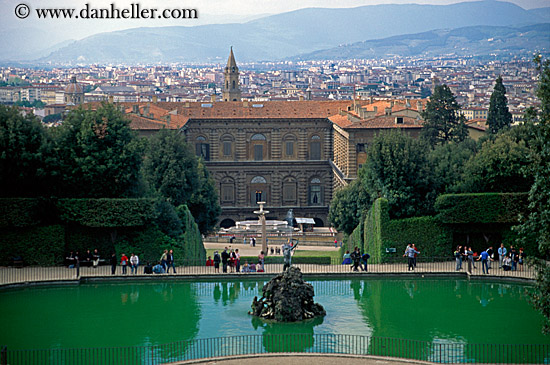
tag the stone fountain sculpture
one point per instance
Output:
(287, 298)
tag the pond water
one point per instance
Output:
(157, 312)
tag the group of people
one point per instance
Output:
(74, 259)
(356, 259)
(163, 265)
(411, 253)
(228, 258)
(508, 260)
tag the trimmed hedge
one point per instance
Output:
(480, 208)
(193, 246)
(430, 238)
(21, 212)
(43, 246)
(107, 212)
(375, 230)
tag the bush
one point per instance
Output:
(107, 212)
(193, 247)
(22, 212)
(42, 246)
(375, 230)
(431, 239)
(149, 244)
(480, 208)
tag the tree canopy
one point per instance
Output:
(442, 121)
(348, 205)
(397, 169)
(98, 154)
(499, 117)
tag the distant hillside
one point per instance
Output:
(479, 41)
(285, 35)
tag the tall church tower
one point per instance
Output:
(231, 89)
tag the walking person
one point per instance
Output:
(124, 263)
(484, 257)
(134, 263)
(501, 254)
(170, 261)
(365, 259)
(163, 259)
(409, 253)
(356, 258)
(113, 263)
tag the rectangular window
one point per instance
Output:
(315, 151)
(360, 147)
(289, 193)
(258, 152)
(228, 193)
(315, 195)
(290, 148)
(227, 148)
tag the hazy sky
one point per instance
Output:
(36, 32)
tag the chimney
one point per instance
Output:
(187, 104)
(419, 106)
(146, 110)
(111, 99)
(387, 111)
(391, 104)
(155, 99)
(135, 108)
(301, 98)
(371, 99)
(213, 98)
(408, 103)
(375, 110)
(245, 104)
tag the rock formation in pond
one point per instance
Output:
(287, 298)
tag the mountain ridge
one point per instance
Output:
(284, 35)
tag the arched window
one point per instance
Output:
(233, 84)
(315, 192)
(259, 144)
(315, 148)
(258, 190)
(258, 137)
(202, 149)
(227, 145)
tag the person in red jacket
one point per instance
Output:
(124, 263)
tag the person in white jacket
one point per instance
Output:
(134, 263)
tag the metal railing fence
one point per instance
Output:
(444, 353)
(433, 265)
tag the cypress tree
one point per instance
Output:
(499, 116)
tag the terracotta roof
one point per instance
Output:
(387, 121)
(141, 123)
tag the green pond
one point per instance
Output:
(158, 312)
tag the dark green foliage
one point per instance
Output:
(447, 163)
(535, 223)
(375, 230)
(22, 212)
(480, 208)
(174, 172)
(24, 151)
(167, 219)
(80, 238)
(348, 205)
(397, 169)
(498, 167)
(171, 166)
(99, 155)
(52, 118)
(107, 212)
(193, 247)
(204, 204)
(499, 117)
(42, 246)
(149, 244)
(442, 122)
(430, 238)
